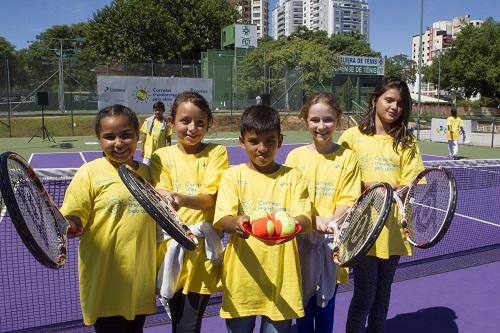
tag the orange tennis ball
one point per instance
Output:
(263, 227)
(284, 225)
(261, 224)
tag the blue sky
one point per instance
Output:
(393, 22)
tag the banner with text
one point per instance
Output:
(141, 92)
(361, 65)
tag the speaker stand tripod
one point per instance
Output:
(43, 132)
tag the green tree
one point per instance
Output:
(41, 58)
(472, 64)
(279, 57)
(351, 44)
(157, 30)
(399, 65)
(138, 30)
(6, 48)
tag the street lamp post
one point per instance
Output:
(61, 79)
(420, 67)
(439, 81)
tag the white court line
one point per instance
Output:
(477, 220)
(54, 152)
(83, 157)
(461, 215)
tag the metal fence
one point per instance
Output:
(71, 84)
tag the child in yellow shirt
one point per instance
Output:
(387, 152)
(118, 238)
(155, 132)
(259, 279)
(334, 182)
(188, 174)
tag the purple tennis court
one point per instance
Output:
(448, 288)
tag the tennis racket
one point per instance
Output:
(40, 225)
(157, 207)
(359, 227)
(427, 206)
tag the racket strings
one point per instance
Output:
(358, 227)
(37, 214)
(426, 208)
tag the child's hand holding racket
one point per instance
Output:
(159, 208)
(171, 197)
(355, 231)
(75, 228)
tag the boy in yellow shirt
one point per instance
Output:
(259, 279)
(454, 128)
(155, 133)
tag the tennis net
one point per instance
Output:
(42, 300)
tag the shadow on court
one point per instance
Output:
(431, 320)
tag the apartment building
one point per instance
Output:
(286, 18)
(336, 17)
(254, 12)
(437, 39)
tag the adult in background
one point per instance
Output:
(455, 127)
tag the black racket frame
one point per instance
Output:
(137, 185)
(16, 215)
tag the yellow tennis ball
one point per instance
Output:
(258, 214)
(284, 225)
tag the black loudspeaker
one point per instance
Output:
(42, 98)
(266, 99)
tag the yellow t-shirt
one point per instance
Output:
(191, 174)
(259, 279)
(116, 257)
(333, 179)
(380, 163)
(454, 124)
(155, 139)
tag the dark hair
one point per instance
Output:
(196, 99)
(159, 105)
(399, 128)
(325, 98)
(260, 119)
(113, 111)
(453, 112)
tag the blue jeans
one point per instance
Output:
(372, 291)
(247, 324)
(317, 319)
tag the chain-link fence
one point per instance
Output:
(71, 84)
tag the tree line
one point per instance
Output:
(162, 31)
